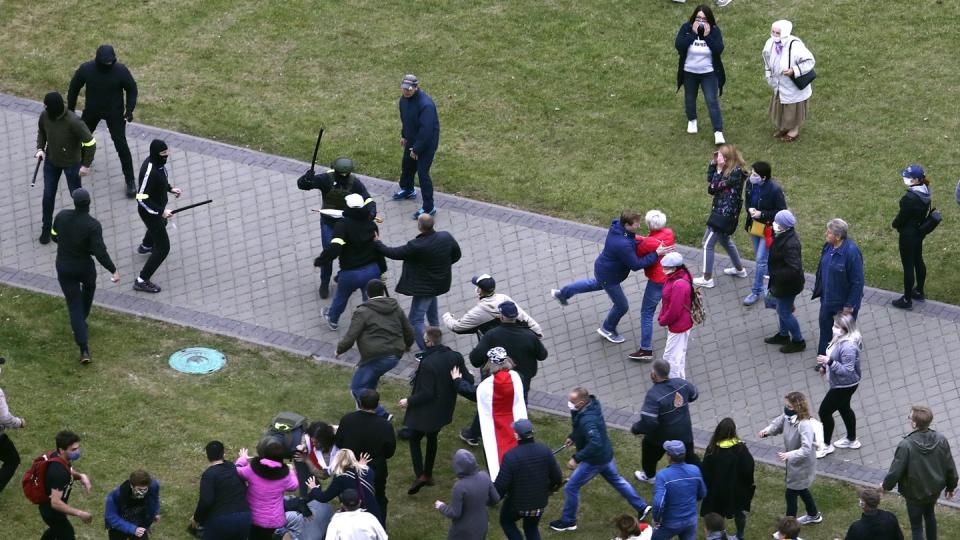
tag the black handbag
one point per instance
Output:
(803, 80)
(931, 222)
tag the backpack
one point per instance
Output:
(289, 428)
(697, 312)
(34, 484)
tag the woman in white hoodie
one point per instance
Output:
(785, 57)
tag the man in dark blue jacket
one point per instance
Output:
(419, 137)
(132, 507)
(678, 489)
(616, 261)
(528, 475)
(839, 284)
(594, 456)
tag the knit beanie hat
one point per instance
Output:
(785, 219)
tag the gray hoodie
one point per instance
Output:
(472, 494)
(922, 467)
(7, 420)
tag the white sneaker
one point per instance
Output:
(807, 519)
(823, 453)
(735, 272)
(705, 283)
(692, 124)
(680, 1)
(641, 476)
(847, 443)
(723, 3)
(776, 535)
(718, 138)
(610, 336)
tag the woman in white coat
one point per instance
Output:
(784, 58)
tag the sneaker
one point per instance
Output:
(325, 313)
(465, 437)
(389, 417)
(145, 286)
(807, 519)
(723, 3)
(642, 477)
(776, 535)
(555, 293)
(847, 443)
(405, 194)
(903, 303)
(420, 212)
(718, 138)
(643, 355)
(735, 272)
(45, 236)
(131, 190)
(751, 299)
(610, 336)
(705, 283)
(777, 339)
(692, 124)
(324, 291)
(85, 357)
(794, 347)
(827, 450)
(643, 515)
(918, 296)
(560, 525)
(144, 250)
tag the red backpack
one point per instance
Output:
(34, 485)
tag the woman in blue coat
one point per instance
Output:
(699, 44)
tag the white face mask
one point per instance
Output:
(571, 406)
(907, 181)
(837, 332)
(777, 229)
(755, 179)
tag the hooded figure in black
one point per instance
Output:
(107, 81)
(152, 207)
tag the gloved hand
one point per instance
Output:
(317, 263)
(129, 117)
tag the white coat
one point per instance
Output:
(800, 59)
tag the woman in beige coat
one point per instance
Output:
(784, 58)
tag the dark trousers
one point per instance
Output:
(420, 167)
(78, 285)
(423, 466)
(808, 502)
(326, 238)
(827, 313)
(914, 269)
(508, 522)
(51, 182)
(155, 238)
(114, 534)
(118, 132)
(10, 458)
(58, 526)
(711, 94)
(234, 526)
(380, 492)
(920, 514)
(652, 451)
(261, 533)
(740, 521)
(838, 399)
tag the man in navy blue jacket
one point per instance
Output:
(132, 507)
(419, 137)
(616, 261)
(528, 474)
(839, 284)
(678, 489)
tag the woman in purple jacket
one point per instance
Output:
(267, 477)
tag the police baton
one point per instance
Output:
(189, 206)
(561, 449)
(316, 148)
(35, 171)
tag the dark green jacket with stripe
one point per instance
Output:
(66, 140)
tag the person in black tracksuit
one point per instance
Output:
(914, 207)
(78, 236)
(107, 80)
(152, 207)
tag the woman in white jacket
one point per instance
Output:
(786, 57)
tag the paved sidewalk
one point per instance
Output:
(243, 267)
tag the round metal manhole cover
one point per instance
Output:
(197, 360)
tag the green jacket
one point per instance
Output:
(380, 328)
(66, 140)
(923, 467)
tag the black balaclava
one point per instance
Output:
(81, 199)
(54, 103)
(157, 146)
(105, 58)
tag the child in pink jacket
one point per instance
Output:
(267, 479)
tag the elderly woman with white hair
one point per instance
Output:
(788, 66)
(659, 235)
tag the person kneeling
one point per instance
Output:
(133, 507)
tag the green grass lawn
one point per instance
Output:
(562, 107)
(132, 411)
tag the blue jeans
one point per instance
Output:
(583, 474)
(422, 306)
(652, 295)
(827, 313)
(349, 281)
(761, 251)
(227, 526)
(613, 290)
(685, 531)
(326, 236)
(711, 94)
(788, 322)
(368, 375)
(51, 181)
(420, 167)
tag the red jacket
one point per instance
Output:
(675, 311)
(649, 244)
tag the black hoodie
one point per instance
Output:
(106, 81)
(353, 241)
(914, 207)
(152, 195)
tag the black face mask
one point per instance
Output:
(789, 412)
(156, 147)
(54, 104)
(104, 68)
(159, 160)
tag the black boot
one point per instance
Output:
(777, 339)
(903, 303)
(793, 347)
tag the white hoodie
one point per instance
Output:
(800, 59)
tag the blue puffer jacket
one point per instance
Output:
(676, 492)
(590, 435)
(840, 276)
(420, 123)
(619, 256)
(120, 509)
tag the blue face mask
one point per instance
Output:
(755, 179)
(73, 456)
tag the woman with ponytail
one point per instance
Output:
(914, 207)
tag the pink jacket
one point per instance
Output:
(675, 311)
(264, 496)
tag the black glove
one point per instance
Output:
(317, 262)
(129, 117)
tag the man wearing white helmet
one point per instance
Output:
(675, 312)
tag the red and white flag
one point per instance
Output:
(499, 404)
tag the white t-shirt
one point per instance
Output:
(699, 58)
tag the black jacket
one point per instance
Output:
(522, 345)
(222, 491)
(353, 242)
(728, 473)
(685, 38)
(528, 474)
(877, 525)
(771, 201)
(427, 262)
(362, 482)
(154, 187)
(78, 236)
(363, 431)
(105, 86)
(785, 265)
(434, 394)
(335, 191)
(914, 208)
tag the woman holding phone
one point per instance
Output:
(725, 178)
(699, 44)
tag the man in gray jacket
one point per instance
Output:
(382, 333)
(922, 468)
(9, 456)
(484, 316)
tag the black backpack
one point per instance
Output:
(289, 428)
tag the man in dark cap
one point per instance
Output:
(523, 346)
(678, 489)
(419, 138)
(352, 521)
(78, 236)
(66, 146)
(152, 207)
(484, 316)
(107, 80)
(528, 475)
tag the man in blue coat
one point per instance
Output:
(419, 137)
(678, 489)
(616, 261)
(839, 284)
(133, 507)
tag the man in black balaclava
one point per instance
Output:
(106, 81)
(152, 207)
(78, 236)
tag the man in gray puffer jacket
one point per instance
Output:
(471, 496)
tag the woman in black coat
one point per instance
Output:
(914, 207)
(699, 45)
(728, 472)
(785, 266)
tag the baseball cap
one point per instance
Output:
(508, 309)
(354, 200)
(675, 448)
(523, 427)
(913, 171)
(485, 282)
(350, 498)
(409, 81)
(672, 259)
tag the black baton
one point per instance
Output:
(35, 170)
(316, 148)
(189, 206)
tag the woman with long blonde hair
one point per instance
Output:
(348, 472)
(726, 175)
